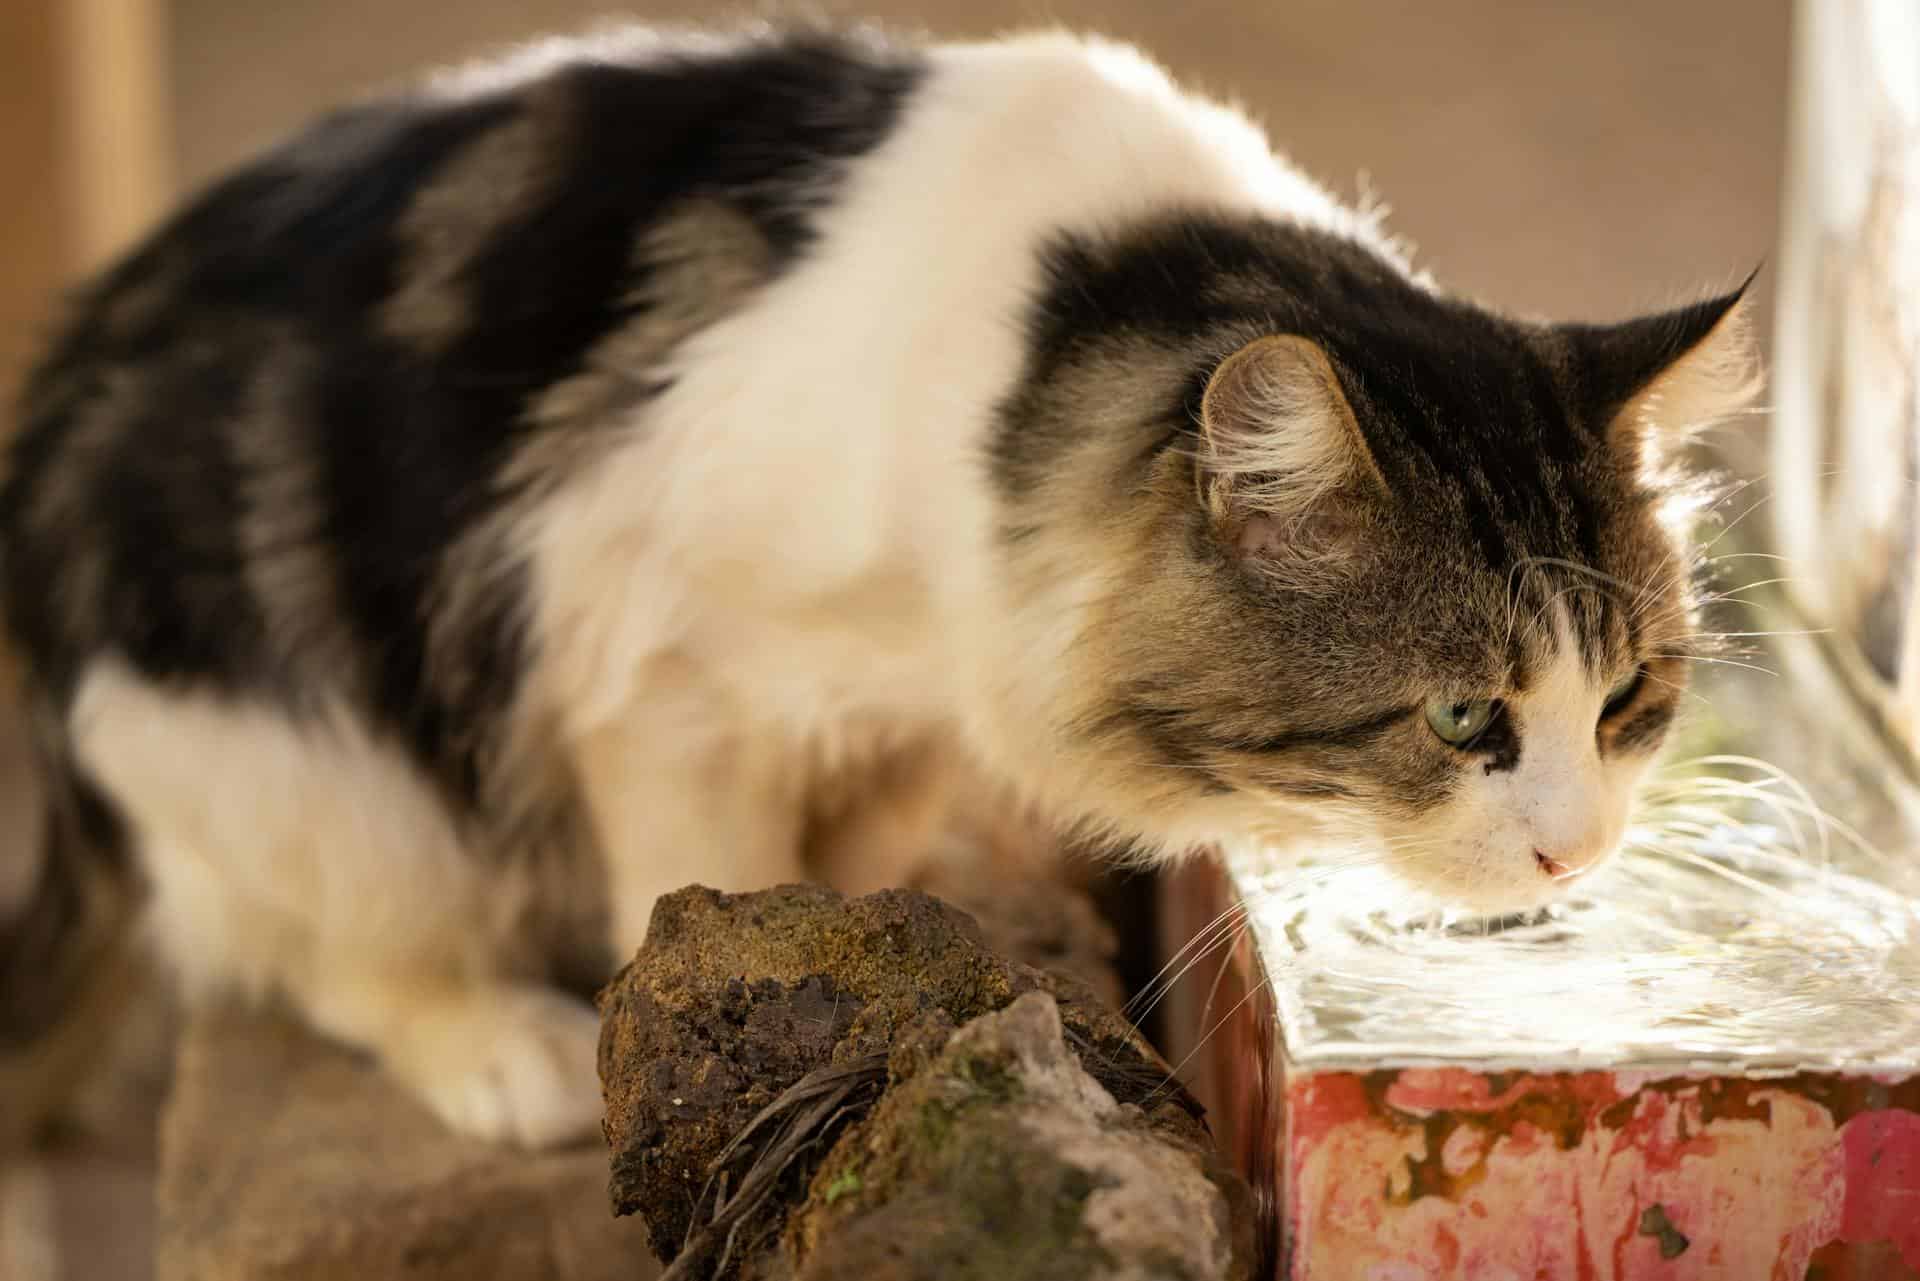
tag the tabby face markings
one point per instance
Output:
(1543, 795)
(1302, 506)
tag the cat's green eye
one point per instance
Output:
(1622, 693)
(1459, 723)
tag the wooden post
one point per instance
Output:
(118, 122)
(34, 215)
(1846, 433)
(85, 151)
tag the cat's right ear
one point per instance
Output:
(1653, 382)
(1282, 455)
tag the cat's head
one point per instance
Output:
(1337, 548)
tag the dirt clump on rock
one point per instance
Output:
(802, 1085)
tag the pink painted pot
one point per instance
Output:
(1428, 1171)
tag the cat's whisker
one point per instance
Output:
(1802, 799)
(1220, 972)
(1735, 490)
(1711, 867)
(1789, 809)
(1221, 921)
(1587, 571)
(1568, 590)
(1681, 690)
(1254, 989)
(1736, 595)
(1222, 939)
(1735, 523)
(1726, 556)
(1810, 631)
(1720, 662)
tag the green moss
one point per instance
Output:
(990, 1076)
(930, 1126)
(959, 1172)
(983, 1081)
(1019, 1208)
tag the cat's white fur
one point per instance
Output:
(724, 598)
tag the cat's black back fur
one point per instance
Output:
(260, 459)
(271, 284)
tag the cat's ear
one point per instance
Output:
(1649, 384)
(1282, 454)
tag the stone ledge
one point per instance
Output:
(285, 1157)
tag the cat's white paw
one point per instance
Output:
(513, 1065)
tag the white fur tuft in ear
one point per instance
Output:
(1712, 380)
(1652, 383)
(1278, 440)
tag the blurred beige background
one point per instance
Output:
(1571, 158)
(1581, 161)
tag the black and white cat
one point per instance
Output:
(512, 499)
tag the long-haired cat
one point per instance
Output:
(514, 498)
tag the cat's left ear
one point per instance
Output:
(1283, 459)
(1649, 384)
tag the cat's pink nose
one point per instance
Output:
(1556, 868)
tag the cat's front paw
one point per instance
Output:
(510, 1065)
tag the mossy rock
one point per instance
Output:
(734, 999)
(1004, 1158)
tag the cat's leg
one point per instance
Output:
(311, 861)
(885, 825)
(719, 810)
(503, 1061)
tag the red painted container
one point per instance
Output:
(1741, 1104)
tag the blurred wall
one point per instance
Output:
(32, 245)
(85, 161)
(1581, 160)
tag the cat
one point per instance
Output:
(517, 495)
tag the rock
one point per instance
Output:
(1003, 1158)
(284, 1157)
(799, 1007)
